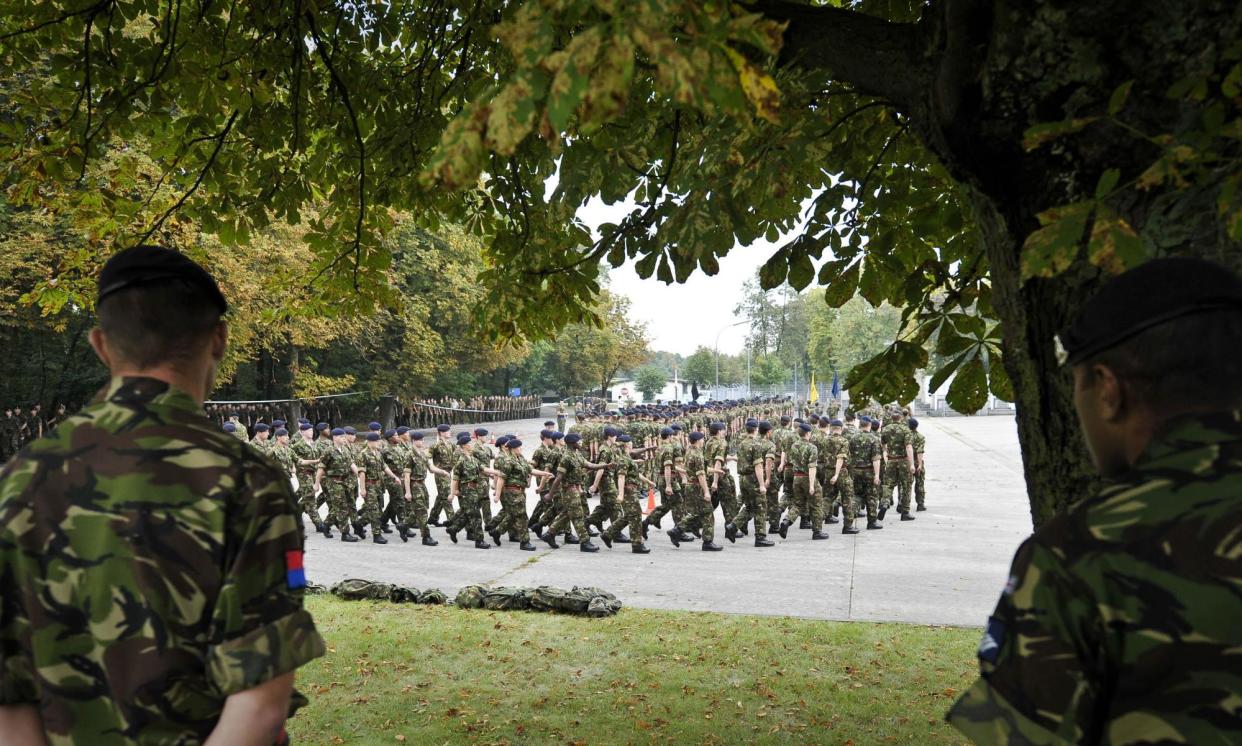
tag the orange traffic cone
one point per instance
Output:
(650, 502)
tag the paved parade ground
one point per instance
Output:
(947, 567)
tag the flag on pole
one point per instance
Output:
(814, 396)
(836, 385)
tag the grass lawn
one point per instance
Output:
(418, 674)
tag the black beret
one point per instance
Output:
(350, 431)
(696, 436)
(666, 432)
(230, 427)
(480, 431)
(262, 427)
(390, 433)
(463, 439)
(557, 435)
(805, 427)
(912, 423)
(337, 431)
(281, 431)
(373, 436)
(278, 423)
(402, 430)
(143, 265)
(443, 428)
(513, 443)
(322, 426)
(624, 439)
(765, 427)
(1148, 295)
(375, 426)
(573, 438)
(305, 426)
(415, 435)
(836, 423)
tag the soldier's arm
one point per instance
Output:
(836, 470)
(319, 472)
(255, 716)
(909, 453)
(540, 473)
(405, 481)
(875, 467)
(437, 470)
(621, 483)
(668, 477)
(768, 469)
(703, 486)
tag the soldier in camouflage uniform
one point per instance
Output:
(468, 486)
(516, 472)
(572, 470)
(630, 481)
(443, 457)
(485, 454)
(1121, 620)
(757, 467)
(716, 452)
(699, 512)
(605, 484)
(151, 563)
(865, 471)
(668, 481)
(918, 444)
(306, 460)
(239, 430)
(804, 460)
(261, 441)
(839, 485)
(333, 477)
(416, 510)
(898, 455)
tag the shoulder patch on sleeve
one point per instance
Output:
(295, 574)
(993, 639)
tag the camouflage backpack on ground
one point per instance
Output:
(506, 598)
(470, 597)
(404, 595)
(356, 589)
(433, 596)
(547, 598)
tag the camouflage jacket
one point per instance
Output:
(895, 436)
(572, 468)
(1122, 621)
(803, 455)
(864, 450)
(516, 470)
(148, 567)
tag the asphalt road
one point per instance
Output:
(946, 567)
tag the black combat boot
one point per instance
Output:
(622, 538)
(731, 532)
(536, 528)
(327, 532)
(711, 546)
(361, 531)
(606, 539)
(920, 508)
(495, 537)
(742, 530)
(651, 523)
(873, 526)
(379, 539)
(480, 544)
(588, 546)
(674, 534)
(430, 542)
(907, 517)
(550, 540)
(404, 533)
(850, 530)
(818, 535)
(526, 546)
(830, 519)
(348, 538)
(880, 517)
(452, 532)
(804, 523)
(640, 549)
(762, 541)
(571, 539)
(783, 529)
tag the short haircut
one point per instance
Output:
(1189, 364)
(157, 322)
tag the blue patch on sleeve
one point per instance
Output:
(296, 578)
(993, 639)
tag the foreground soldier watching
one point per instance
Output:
(151, 563)
(1121, 621)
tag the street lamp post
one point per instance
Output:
(716, 350)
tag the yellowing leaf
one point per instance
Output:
(759, 87)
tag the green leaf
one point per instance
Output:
(1108, 182)
(774, 270)
(1050, 250)
(839, 290)
(1114, 246)
(998, 378)
(801, 271)
(1048, 131)
(940, 376)
(969, 391)
(1117, 101)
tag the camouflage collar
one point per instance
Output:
(131, 390)
(1190, 432)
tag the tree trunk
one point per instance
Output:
(972, 76)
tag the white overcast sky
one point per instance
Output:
(680, 317)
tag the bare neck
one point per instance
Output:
(195, 386)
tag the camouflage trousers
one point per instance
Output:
(897, 475)
(866, 491)
(773, 501)
(410, 513)
(727, 495)
(468, 515)
(444, 502)
(754, 506)
(669, 504)
(545, 510)
(342, 508)
(777, 507)
(485, 501)
(842, 494)
(306, 497)
(396, 496)
(699, 513)
(920, 495)
(569, 507)
(807, 500)
(371, 510)
(631, 504)
(608, 509)
(511, 518)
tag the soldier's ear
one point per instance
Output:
(97, 341)
(219, 340)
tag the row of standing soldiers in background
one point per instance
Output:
(21, 425)
(428, 413)
(807, 472)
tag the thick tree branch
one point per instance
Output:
(876, 56)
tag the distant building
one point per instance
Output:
(625, 390)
